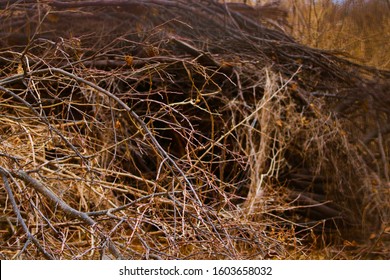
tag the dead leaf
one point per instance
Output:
(129, 60)
(20, 69)
(279, 123)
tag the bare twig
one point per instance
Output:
(5, 174)
(56, 201)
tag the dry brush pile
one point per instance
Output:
(163, 129)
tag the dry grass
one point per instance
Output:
(359, 29)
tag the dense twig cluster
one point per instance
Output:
(183, 129)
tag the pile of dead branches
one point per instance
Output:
(184, 129)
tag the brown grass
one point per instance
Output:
(359, 29)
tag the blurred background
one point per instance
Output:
(358, 29)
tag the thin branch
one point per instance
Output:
(5, 174)
(56, 201)
(160, 149)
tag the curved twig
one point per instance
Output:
(160, 149)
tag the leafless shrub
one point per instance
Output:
(163, 135)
